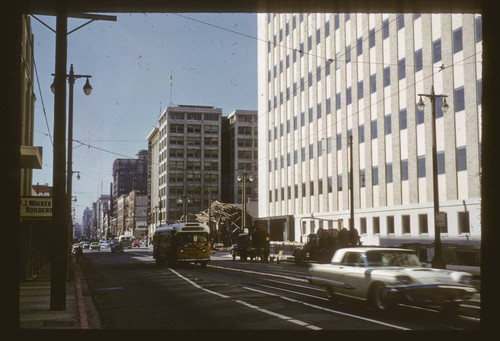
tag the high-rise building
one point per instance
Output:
(189, 160)
(327, 77)
(129, 175)
(240, 150)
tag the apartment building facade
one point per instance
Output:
(189, 160)
(327, 77)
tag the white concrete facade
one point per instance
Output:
(328, 76)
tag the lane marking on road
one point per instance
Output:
(329, 310)
(283, 317)
(293, 292)
(261, 273)
(197, 285)
(296, 285)
(280, 316)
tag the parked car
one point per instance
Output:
(102, 243)
(234, 251)
(86, 244)
(95, 246)
(75, 246)
(136, 243)
(116, 246)
(387, 276)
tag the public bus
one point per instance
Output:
(182, 242)
(126, 241)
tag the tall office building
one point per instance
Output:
(189, 160)
(242, 155)
(326, 77)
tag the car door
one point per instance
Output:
(352, 274)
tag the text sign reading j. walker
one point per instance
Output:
(36, 207)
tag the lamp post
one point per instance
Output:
(87, 89)
(184, 201)
(437, 260)
(243, 177)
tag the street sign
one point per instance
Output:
(36, 207)
(441, 220)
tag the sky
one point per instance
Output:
(211, 57)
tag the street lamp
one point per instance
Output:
(243, 177)
(437, 260)
(184, 201)
(87, 89)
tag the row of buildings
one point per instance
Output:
(337, 92)
(195, 156)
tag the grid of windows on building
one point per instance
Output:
(400, 120)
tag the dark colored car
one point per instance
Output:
(136, 243)
(117, 247)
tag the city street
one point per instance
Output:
(131, 292)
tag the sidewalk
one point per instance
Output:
(34, 304)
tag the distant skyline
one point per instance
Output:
(211, 57)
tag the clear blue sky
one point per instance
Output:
(130, 62)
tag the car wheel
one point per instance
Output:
(330, 293)
(380, 298)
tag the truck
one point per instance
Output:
(253, 245)
(321, 246)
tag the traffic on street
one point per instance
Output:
(132, 291)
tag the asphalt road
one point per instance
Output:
(130, 292)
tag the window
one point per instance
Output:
(303, 154)
(311, 188)
(318, 74)
(349, 95)
(436, 51)
(339, 181)
(296, 191)
(404, 169)
(337, 101)
(401, 68)
(320, 147)
(388, 129)
(302, 119)
(359, 46)
(362, 227)
(288, 126)
(459, 99)
(329, 145)
(479, 29)
(327, 28)
(376, 225)
(440, 162)
(420, 116)
(328, 106)
(402, 119)
(362, 133)
(387, 76)
(375, 175)
(463, 222)
(318, 109)
(372, 37)
(418, 60)
(348, 53)
(310, 79)
(421, 166)
(295, 156)
(360, 89)
(373, 83)
(439, 104)
(311, 115)
(405, 223)
(423, 227)
(330, 184)
(374, 129)
(388, 172)
(401, 21)
(457, 40)
(339, 141)
(337, 61)
(385, 29)
(362, 177)
(461, 158)
(336, 21)
(390, 224)
(295, 123)
(311, 151)
(318, 36)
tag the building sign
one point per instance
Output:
(441, 220)
(36, 207)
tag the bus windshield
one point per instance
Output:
(192, 237)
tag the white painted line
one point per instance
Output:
(329, 310)
(261, 273)
(280, 316)
(283, 317)
(198, 286)
(293, 292)
(296, 285)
